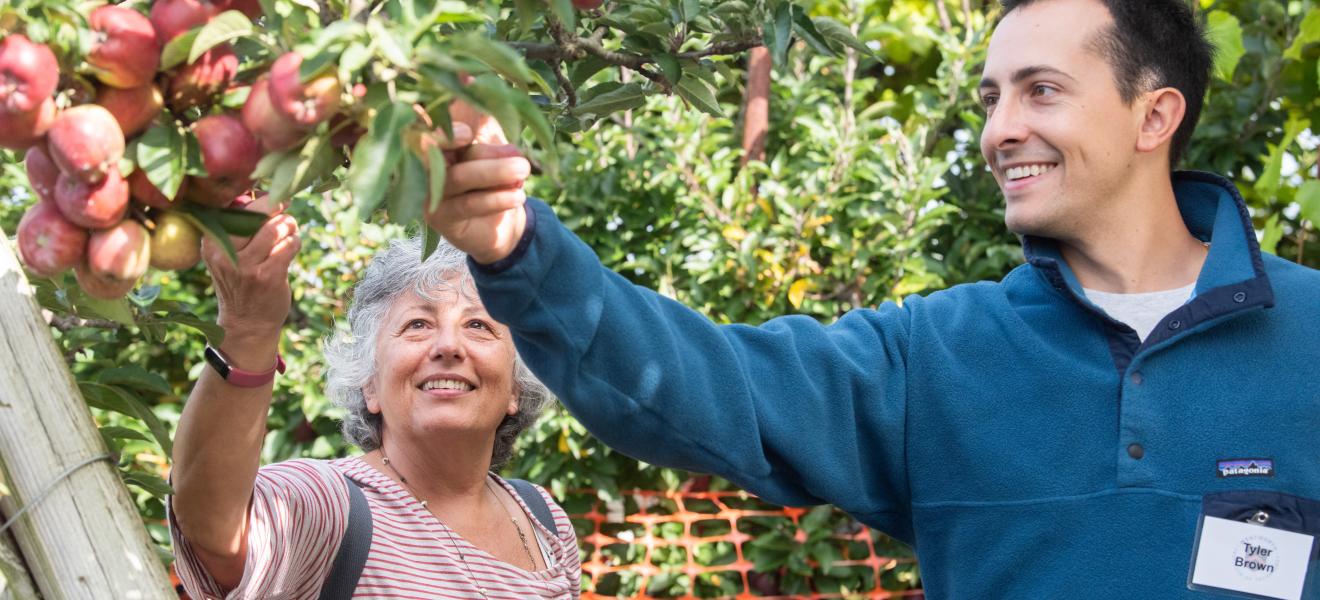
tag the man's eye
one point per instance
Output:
(1041, 89)
(989, 100)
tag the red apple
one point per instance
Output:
(141, 189)
(93, 205)
(198, 83)
(133, 108)
(19, 131)
(41, 172)
(28, 75)
(49, 243)
(251, 8)
(171, 18)
(229, 152)
(86, 141)
(124, 51)
(116, 258)
(275, 132)
(305, 103)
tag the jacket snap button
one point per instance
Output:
(1137, 378)
(1175, 325)
(1240, 297)
(1136, 451)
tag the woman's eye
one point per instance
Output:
(416, 324)
(478, 324)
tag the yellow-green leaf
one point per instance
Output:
(224, 27)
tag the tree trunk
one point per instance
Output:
(85, 539)
(756, 112)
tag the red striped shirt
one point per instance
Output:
(297, 518)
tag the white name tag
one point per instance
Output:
(1252, 559)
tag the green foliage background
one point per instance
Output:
(872, 189)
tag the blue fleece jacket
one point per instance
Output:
(1025, 443)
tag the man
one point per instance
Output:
(1100, 424)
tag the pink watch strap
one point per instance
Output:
(243, 378)
(239, 377)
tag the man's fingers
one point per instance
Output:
(480, 204)
(462, 137)
(485, 151)
(494, 173)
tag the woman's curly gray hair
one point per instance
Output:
(351, 355)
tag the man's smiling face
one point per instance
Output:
(1058, 136)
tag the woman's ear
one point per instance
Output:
(369, 393)
(512, 409)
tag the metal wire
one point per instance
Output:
(49, 488)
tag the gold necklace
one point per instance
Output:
(522, 536)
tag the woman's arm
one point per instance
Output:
(218, 443)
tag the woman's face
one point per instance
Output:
(442, 366)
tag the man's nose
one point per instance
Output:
(1005, 128)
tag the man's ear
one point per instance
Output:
(1162, 113)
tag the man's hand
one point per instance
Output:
(481, 212)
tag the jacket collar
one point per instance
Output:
(1233, 278)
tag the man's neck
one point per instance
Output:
(1144, 246)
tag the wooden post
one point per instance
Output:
(85, 538)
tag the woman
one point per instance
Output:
(435, 395)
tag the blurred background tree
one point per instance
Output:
(871, 188)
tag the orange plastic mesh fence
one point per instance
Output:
(649, 531)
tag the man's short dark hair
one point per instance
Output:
(1155, 44)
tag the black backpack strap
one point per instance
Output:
(353, 548)
(535, 502)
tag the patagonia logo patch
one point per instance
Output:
(1246, 467)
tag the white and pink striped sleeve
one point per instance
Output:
(297, 517)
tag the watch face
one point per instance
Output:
(217, 362)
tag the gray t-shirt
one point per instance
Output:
(1142, 312)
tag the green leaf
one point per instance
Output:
(834, 31)
(1273, 232)
(215, 335)
(120, 400)
(806, 29)
(496, 99)
(499, 57)
(778, 30)
(582, 70)
(226, 26)
(528, 12)
(112, 432)
(1268, 184)
(430, 241)
(376, 156)
(406, 204)
(624, 97)
(1225, 32)
(150, 483)
(700, 94)
(116, 310)
(135, 377)
(177, 50)
(1309, 198)
(564, 11)
(160, 154)
(208, 222)
(388, 43)
(1309, 33)
(435, 178)
(669, 67)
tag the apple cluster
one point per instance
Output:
(91, 217)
